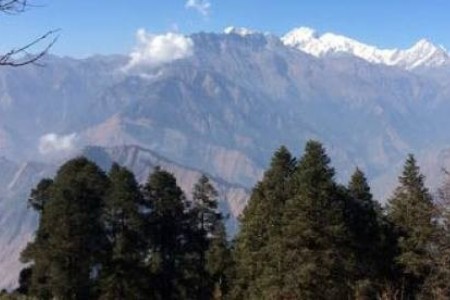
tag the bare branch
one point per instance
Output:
(21, 56)
(13, 6)
(17, 57)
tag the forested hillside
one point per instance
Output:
(302, 236)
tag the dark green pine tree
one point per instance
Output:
(204, 197)
(218, 261)
(122, 275)
(371, 238)
(257, 254)
(168, 225)
(315, 245)
(67, 248)
(210, 240)
(437, 285)
(411, 210)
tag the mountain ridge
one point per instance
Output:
(422, 54)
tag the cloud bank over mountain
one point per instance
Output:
(155, 50)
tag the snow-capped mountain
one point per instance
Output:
(422, 54)
(221, 103)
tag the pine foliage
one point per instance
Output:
(315, 239)
(257, 268)
(122, 274)
(411, 210)
(70, 237)
(302, 236)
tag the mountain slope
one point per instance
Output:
(17, 222)
(227, 107)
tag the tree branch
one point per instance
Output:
(17, 57)
(22, 56)
(13, 6)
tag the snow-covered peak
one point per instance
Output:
(239, 31)
(423, 53)
(425, 48)
(309, 41)
(424, 44)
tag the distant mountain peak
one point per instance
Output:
(424, 43)
(422, 54)
(425, 46)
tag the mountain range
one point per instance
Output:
(220, 104)
(422, 54)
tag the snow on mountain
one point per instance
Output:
(422, 54)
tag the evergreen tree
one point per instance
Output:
(122, 274)
(437, 284)
(256, 255)
(205, 204)
(372, 239)
(363, 220)
(66, 251)
(411, 210)
(218, 261)
(210, 241)
(315, 249)
(168, 225)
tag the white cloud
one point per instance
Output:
(202, 6)
(53, 143)
(155, 50)
(239, 31)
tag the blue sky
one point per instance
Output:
(108, 26)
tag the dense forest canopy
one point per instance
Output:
(302, 236)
